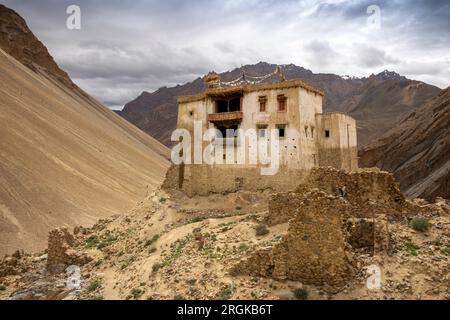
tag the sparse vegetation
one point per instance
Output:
(261, 230)
(420, 224)
(94, 285)
(300, 293)
(135, 294)
(151, 241)
(412, 248)
(179, 297)
(91, 242)
(226, 293)
(162, 200)
(100, 242)
(446, 250)
(198, 219)
(2, 287)
(243, 247)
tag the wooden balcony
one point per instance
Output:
(228, 117)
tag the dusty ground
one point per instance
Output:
(172, 247)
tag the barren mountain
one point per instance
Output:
(377, 102)
(17, 40)
(65, 159)
(417, 150)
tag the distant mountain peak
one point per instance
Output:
(390, 75)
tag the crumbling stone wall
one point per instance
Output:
(314, 249)
(368, 192)
(61, 251)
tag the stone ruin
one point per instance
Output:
(331, 216)
(62, 252)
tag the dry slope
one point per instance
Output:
(65, 159)
(418, 149)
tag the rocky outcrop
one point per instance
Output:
(17, 40)
(62, 252)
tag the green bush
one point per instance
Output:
(300, 294)
(226, 294)
(151, 241)
(412, 248)
(2, 287)
(420, 224)
(94, 285)
(243, 247)
(136, 293)
(261, 230)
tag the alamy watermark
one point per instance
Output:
(235, 147)
(73, 21)
(374, 18)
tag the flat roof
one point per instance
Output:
(246, 88)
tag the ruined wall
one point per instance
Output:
(313, 250)
(366, 191)
(61, 252)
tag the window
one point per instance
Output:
(231, 104)
(191, 113)
(262, 103)
(327, 133)
(282, 103)
(262, 131)
(306, 131)
(281, 130)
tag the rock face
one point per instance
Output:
(17, 40)
(417, 150)
(376, 102)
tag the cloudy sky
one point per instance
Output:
(126, 47)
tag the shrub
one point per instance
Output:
(420, 224)
(162, 200)
(2, 287)
(94, 285)
(412, 248)
(243, 247)
(156, 267)
(136, 293)
(261, 230)
(300, 293)
(152, 240)
(91, 242)
(225, 294)
(179, 297)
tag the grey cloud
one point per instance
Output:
(126, 47)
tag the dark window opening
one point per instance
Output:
(262, 103)
(235, 105)
(191, 113)
(282, 103)
(222, 106)
(228, 105)
(281, 131)
(327, 133)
